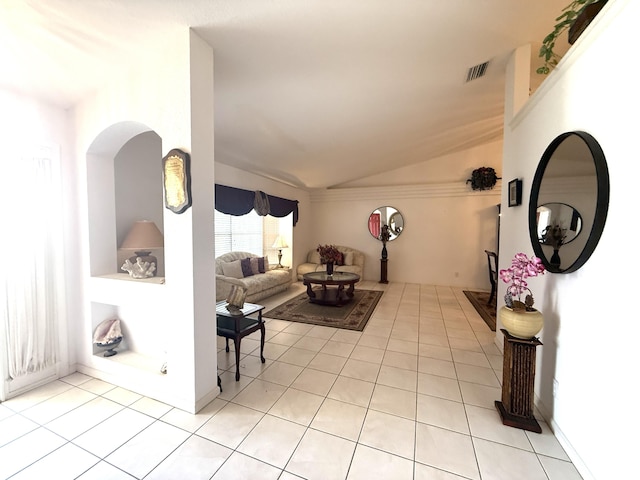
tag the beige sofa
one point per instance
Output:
(229, 272)
(353, 262)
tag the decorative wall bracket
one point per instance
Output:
(483, 178)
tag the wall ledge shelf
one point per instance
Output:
(120, 289)
(128, 278)
(132, 371)
(127, 359)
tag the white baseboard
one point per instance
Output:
(564, 442)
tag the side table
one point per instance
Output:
(238, 326)
(518, 383)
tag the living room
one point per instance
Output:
(589, 364)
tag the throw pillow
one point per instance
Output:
(348, 258)
(340, 259)
(266, 264)
(255, 265)
(245, 264)
(232, 269)
(261, 267)
(314, 257)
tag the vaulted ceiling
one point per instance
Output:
(314, 93)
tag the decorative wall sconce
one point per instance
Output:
(483, 178)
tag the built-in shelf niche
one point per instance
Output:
(122, 189)
(144, 341)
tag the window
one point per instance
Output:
(250, 233)
(32, 274)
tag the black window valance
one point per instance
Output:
(237, 201)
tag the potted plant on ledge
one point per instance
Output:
(576, 17)
(518, 317)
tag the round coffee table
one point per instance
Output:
(330, 296)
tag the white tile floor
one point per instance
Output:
(410, 397)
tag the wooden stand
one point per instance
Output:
(519, 370)
(383, 270)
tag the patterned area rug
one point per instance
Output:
(352, 316)
(487, 312)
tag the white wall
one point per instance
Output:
(172, 95)
(138, 191)
(590, 320)
(138, 183)
(447, 224)
(452, 168)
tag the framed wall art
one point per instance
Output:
(515, 192)
(176, 178)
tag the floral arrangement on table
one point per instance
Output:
(522, 267)
(329, 253)
(554, 235)
(385, 234)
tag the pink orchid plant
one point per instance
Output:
(522, 267)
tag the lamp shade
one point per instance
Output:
(280, 242)
(143, 235)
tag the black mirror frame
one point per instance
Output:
(602, 201)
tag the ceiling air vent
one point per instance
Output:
(477, 71)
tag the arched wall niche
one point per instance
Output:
(124, 184)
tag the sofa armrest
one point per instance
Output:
(231, 280)
(223, 286)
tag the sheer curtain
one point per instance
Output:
(31, 277)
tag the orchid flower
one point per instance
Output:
(522, 267)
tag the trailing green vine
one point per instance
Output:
(564, 21)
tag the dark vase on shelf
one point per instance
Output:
(555, 259)
(329, 268)
(584, 18)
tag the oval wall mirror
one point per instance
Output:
(386, 216)
(569, 194)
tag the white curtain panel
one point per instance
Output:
(32, 268)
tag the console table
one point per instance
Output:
(518, 375)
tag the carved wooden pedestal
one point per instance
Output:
(383, 270)
(519, 370)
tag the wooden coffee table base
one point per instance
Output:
(330, 296)
(331, 290)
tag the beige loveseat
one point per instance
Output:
(229, 271)
(353, 262)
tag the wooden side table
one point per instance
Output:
(518, 383)
(236, 327)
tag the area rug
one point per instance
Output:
(487, 312)
(352, 316)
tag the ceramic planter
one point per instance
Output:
(521, 324)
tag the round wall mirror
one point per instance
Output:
(386, 216)
(569, 194)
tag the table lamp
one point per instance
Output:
(143, 237)
(280, 244)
